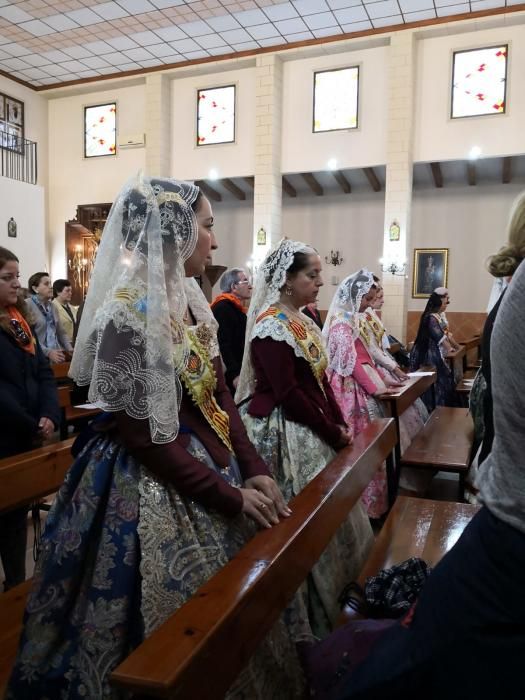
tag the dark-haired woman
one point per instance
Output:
(292, 416)
(156, 500)
(430, 349)
(28, 405)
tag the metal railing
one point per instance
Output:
(18, 158)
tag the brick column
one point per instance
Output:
(398, 190)
(158, 125)
(268, 178)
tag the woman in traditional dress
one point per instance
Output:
(290, 412)
(430, 349)
(153, 505)
(353, 376)
(372, 333)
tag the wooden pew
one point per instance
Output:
(61, 371)
(214, 634)
(469, 345)
(415, 527)
(395, 405)
(71, 414)
(25, 478)
(444, 444)
(29, 476)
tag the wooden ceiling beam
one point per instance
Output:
(289, 188)
(437, 174)
(471, 174)
(506, 170)
(372, 179)
(250, 181)
(313, 184)
(233, 189)
(209, 191)
(342, 181)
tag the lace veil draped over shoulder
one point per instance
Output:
(342, 322)
(131, 344)
(270, 279)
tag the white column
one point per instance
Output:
(399, 166)
(268, 178)
(158, 125)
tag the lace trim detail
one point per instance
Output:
(341, 344)
(300, 336)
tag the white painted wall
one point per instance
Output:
(233, 231)
(75, 180)
(26, 204)
(352, 224)
(437, 137)
(471, 222)
(192, 162)
(302, 150)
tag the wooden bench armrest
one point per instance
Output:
(219, 628)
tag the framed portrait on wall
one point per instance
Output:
(11, 123)
(429, 272)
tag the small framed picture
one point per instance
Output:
(15, 138)
(430, 271)
(14, 111)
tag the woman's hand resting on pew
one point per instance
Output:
(263, 501)
(399, 374)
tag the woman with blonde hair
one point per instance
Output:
(502, 266)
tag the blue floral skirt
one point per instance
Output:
(121, 552)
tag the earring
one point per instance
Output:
(288, 291)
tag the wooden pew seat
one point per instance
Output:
(415, 527)
(443, 444)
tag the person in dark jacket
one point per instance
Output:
(28, 404)
(229, 308)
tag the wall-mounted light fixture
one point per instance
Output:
(394, 267)
(334, 258)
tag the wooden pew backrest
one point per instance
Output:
(219, 628)
(26, 477)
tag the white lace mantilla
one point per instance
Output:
(342, 353)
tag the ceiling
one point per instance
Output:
(51, 42)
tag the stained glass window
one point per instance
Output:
(479, 81)
(336, 99)
(216, 115)
(100, 128)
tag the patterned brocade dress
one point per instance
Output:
(292, 419)
(354, 391)
(124, 547)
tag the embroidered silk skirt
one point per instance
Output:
(296, 455)
(122, 551)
